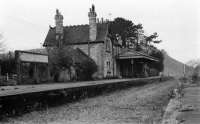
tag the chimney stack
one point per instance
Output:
(59, 22)
(102, 20)
(59, 27)
(92, 24)
(97, 20)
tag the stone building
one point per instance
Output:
(93, 39)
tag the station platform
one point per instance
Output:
(190, 99)
(28, 89)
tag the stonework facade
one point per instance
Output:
(93, 39)
(96, 53)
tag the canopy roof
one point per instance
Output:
(132, 54)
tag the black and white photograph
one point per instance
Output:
(99, 62)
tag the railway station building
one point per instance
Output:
(93, 40)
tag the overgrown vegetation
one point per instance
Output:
(59, 60)
(7, 63)
(152, 38)
(86, 69)
(131, 32)
(125, 28)
(78, 65)
(195, 74)
(160, 64)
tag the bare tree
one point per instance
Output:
(2, 43)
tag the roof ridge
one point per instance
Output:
(76, 34)
(68, 26)
(146, 54)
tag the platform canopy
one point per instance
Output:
(132, 54)
(31, 57)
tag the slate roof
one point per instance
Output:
(76, 34)
(77, 55)
(132, 54)
(38, 50)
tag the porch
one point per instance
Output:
(134, 64)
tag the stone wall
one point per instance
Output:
(116, 51)
(107, 66)
(92, 28)
(108, 58)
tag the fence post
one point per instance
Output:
(18, 62)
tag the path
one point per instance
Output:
(190, 100)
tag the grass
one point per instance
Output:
(142, 104)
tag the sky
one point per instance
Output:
(24, 23)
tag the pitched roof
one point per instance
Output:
(76, 34)
(129, 53)
(77, 55)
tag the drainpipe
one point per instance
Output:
(113, 57)
(88, 48)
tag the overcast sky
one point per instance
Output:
(24, 23)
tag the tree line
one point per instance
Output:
(130, 32)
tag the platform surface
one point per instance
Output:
(191, 98)
(25, 89)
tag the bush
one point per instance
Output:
(65, 58)
(195, 75)
(59, 59)
(8, 66)
(86, 69)
(157, 65)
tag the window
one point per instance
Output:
(108, 65)
(108, 68)
(108, 46)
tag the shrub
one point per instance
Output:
(58, 61)
(157, 65)
(86, 69)
(8, 66)
(195, 75)
(64, 58)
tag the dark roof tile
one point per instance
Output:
(76, 34)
